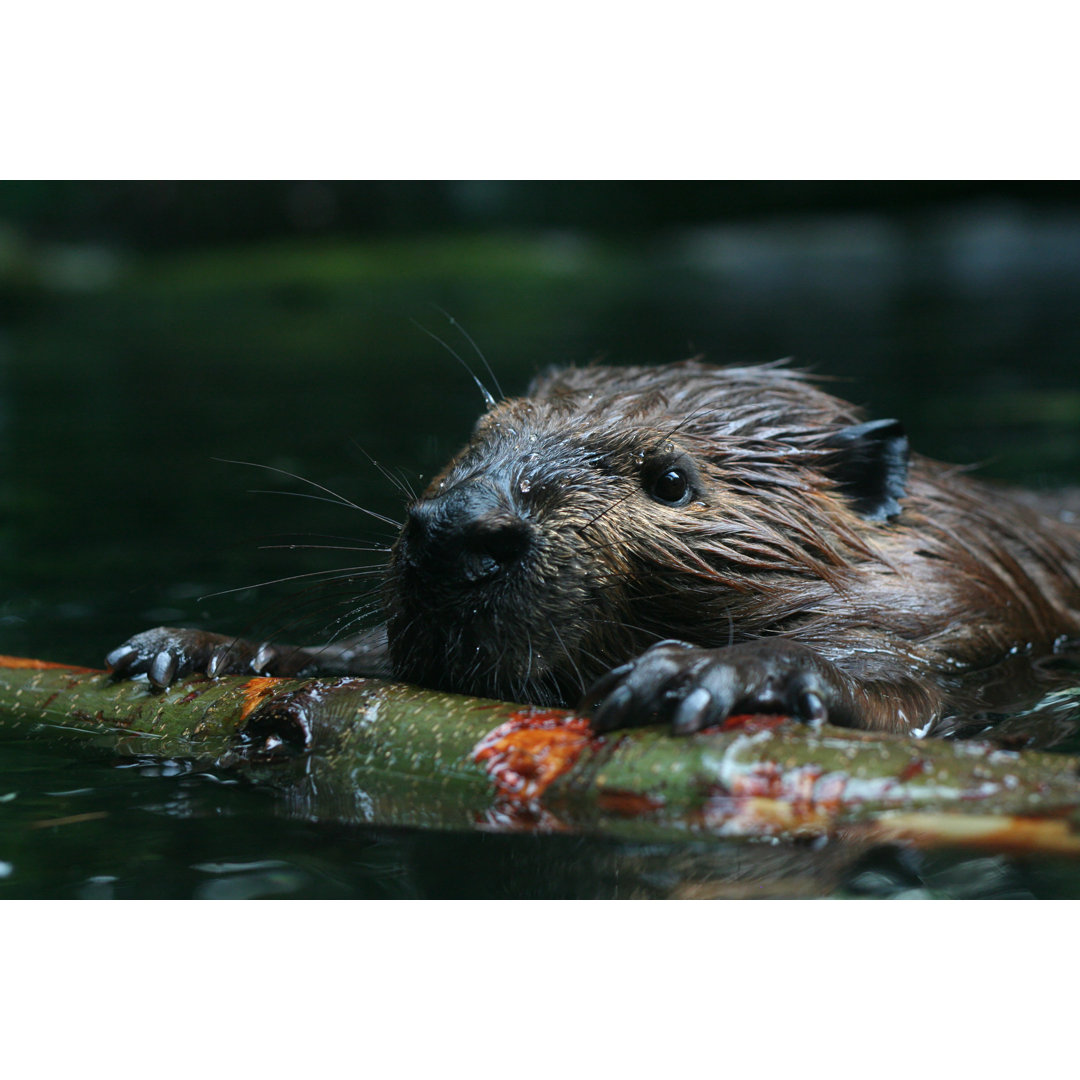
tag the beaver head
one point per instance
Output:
(613, 507)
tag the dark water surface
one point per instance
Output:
(123, 383)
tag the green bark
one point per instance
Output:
(355, 750)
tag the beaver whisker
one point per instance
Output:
(333, 536)
(342, 574)
(623, 624)
(329, 593)
(607, 510)
(679, 425)
(333, 502)
(334, 497)
(568, 655)
(358, 614)
(609, 545)
(311, 609)
(476, 348)
(489, 401)
(380, 549)
(398, 482)
(598, 662)
(528, 658)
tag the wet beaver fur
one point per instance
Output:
(683, 542)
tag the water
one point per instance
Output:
(126, 387)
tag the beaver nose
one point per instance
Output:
(492, 544)
(470, 531)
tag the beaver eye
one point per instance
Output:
(672, 487)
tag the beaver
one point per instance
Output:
(684, 542)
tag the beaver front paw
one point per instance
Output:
(693, 688)
(166, 653)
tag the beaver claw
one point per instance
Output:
(165, 654)
(692, 688)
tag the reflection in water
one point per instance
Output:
(1052, 721)
(189, 835)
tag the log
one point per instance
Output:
(367, 751)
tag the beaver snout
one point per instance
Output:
(470, 534)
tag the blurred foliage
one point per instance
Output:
(156, 215)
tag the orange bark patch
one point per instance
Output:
(255, 692)
(43, 665)
(525, 754)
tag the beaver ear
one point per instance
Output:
(870, 467)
